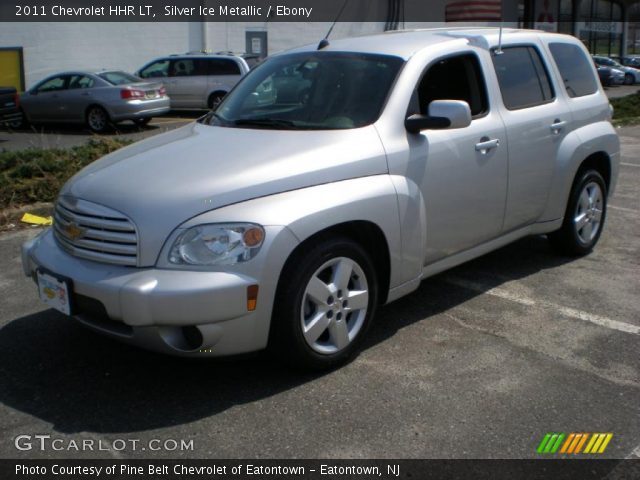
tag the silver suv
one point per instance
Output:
(198, 80)
(286, 217)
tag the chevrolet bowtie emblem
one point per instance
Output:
(73, 231)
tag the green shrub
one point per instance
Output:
(626, 110)
(33, 175)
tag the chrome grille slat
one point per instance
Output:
(95, 222)
(100, 246)
(104, 236)
(95, 234)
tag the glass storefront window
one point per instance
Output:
(599, 26)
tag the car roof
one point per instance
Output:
(406, 43)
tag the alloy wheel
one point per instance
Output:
(334, 305)
(588, 214)
(97, 119)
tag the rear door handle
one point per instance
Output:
(486, 144)
(557, 126)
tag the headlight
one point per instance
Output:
(217, 244)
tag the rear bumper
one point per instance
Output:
(180, 312)
(139, 109)
(8, 117)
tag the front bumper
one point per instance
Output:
(181, 312)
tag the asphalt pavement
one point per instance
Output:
(480, 362)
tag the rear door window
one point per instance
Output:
(188, 67)
(523, 78)
(80, 81)
(575, 69)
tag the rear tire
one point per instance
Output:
(629, 79)
(584, 217)
(325, 302)
(97, 119)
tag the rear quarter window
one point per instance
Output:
(575, 69)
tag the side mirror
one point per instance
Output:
(443, 114)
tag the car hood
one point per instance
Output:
(161, 182)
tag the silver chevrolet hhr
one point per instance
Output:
(331, 180)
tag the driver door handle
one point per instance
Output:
(557, 126)
(486, 144)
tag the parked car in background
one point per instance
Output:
(98, 100)
(9, 106)
(610, 76)
(631, 75)
(285, 222)
(631, 61)
(198, 80)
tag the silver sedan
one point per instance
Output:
(97, 100)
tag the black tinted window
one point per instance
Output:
(523, 80)
(575, 69)
(454, 78)
(188, 67)
(80, 81)
(223, 66)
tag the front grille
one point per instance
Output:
(87, 230)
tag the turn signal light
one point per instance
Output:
(253, 237)
(252, 297)
(131, 93)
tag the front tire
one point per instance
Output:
(142, 122)
(325, 303)
(98, 119)
(584, 217)
(215, 99)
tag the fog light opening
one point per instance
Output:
(192, 337)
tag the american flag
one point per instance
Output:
(474, 11)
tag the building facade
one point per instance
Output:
(31, 51)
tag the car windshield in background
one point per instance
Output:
(119, 78)
(312, 91)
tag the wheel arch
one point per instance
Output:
(595, 145)
(217, 91)
(367, 235)
(96, 104)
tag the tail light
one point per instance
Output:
(16, 99)
(131, 94)
(162, 91)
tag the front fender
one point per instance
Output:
(575, 148)
(307, 211)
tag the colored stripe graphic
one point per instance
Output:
(598, 443)
(573, 443)
(550, 443)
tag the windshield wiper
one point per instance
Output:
(266, 122)
(209, 116)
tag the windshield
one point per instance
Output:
(119, 78)
(313, 90)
